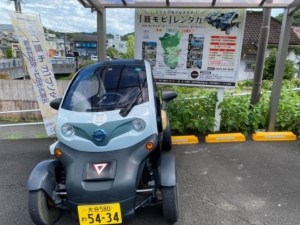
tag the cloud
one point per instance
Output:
(71, 16)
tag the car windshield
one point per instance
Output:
(105, 88)
(228, 15)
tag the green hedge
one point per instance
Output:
(193, 111)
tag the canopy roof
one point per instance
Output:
(99, 4)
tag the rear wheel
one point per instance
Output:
(228, 30)
(42, 208)
(170, 204)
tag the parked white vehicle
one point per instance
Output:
(94, 57)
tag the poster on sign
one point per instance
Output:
(36, 55)
(192, 47)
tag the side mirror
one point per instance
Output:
(55, 103)
(166, 97)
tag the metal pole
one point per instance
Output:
(279, 68)
(65, 44)
(19, 10)
(19, 5)
(220, 95)
(16, 6)
(101, 35)
(261, 52)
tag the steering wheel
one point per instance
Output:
(112, 93)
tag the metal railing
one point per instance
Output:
(10, 64)
(62, 61)
(21, 124)
(38, 110)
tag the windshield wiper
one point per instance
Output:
(125, 111)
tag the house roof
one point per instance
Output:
(92, 38)
(252, 30)
(4, 47)
(6, 27)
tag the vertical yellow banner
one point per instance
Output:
(36, 57)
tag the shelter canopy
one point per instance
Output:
(100, 4)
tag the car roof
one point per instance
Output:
(117, 62)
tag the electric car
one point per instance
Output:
(214, 18)
(112, 154)
(228, 21)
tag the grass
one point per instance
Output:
(45, 136)
(41, 136)
(14, 137)
(64, 77)
(20, 120)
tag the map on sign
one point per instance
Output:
(170, 43)
(194, 47)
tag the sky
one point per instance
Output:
(71, 16)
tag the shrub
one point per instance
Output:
(270, 63)
(68, 77)
(5, 76)
(193, 111)
(86, 63)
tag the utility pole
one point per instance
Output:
(18, 9)
(65, 44)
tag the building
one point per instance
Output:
(8, 40)
(85, 45)
(51, 43)
(116, 43)
(251, 38)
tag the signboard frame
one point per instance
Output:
(155, 31)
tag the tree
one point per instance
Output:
(130, 47)
(112, 53)
(9, 53)
(109, 36)
(125, 37)
(296, 17)
(270, 63)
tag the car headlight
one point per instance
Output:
(67, 130)
(138, 125)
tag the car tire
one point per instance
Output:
(170, 204)
(228, 30)
(42, 208)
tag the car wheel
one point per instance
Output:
(170, 204)
(42, 208)
(228, 30)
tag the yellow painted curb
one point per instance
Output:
(274, 136)
(233, 137)
(189, 139)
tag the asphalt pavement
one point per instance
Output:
(241, 183)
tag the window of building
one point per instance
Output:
(249, 66)
(121, 45)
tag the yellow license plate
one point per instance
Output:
(99, 214)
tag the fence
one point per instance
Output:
(10, 64)
(18, 95)
(17, 99)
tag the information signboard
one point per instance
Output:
(193, 47)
